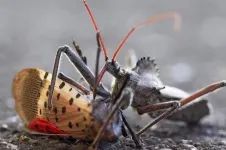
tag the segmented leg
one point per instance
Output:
(80, 65)
(73, 83)
(175, 104)
(134, 137)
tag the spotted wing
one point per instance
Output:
(71, 109)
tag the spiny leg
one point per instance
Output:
(173, 105)
(73, 83)
(176, 104)
(79, 52)
(80, 65)
(84, 59)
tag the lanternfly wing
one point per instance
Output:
(71, 109)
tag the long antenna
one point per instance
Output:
(177, 24)
(96, 28)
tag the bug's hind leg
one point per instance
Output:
(173, 105)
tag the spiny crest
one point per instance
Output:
(146, 65)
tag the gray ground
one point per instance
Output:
(30, 33)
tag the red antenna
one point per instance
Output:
(96, 28)
(177, 24)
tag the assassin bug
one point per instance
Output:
(147, 87)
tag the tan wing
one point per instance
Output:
(71, 109)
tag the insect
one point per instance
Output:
(150, 94)
(55, 104)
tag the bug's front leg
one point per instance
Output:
(79, 64)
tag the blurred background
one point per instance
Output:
(31, 32)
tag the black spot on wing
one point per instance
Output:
(71, 101)
(63, 110)
(56, 119)
(45, 104)
(58, 96)
(55, 110)
(79, 109)
(70, 124)
(61, 85)
(78, 95)
(46, 75)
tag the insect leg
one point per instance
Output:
(80, 65)
(134, 137)
(173, 105)
(203, 91)
(73, 83)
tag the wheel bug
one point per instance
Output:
(147, 87)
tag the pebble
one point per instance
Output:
(188, 146)
(223, 142)
(186, 142)
(4, 127)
